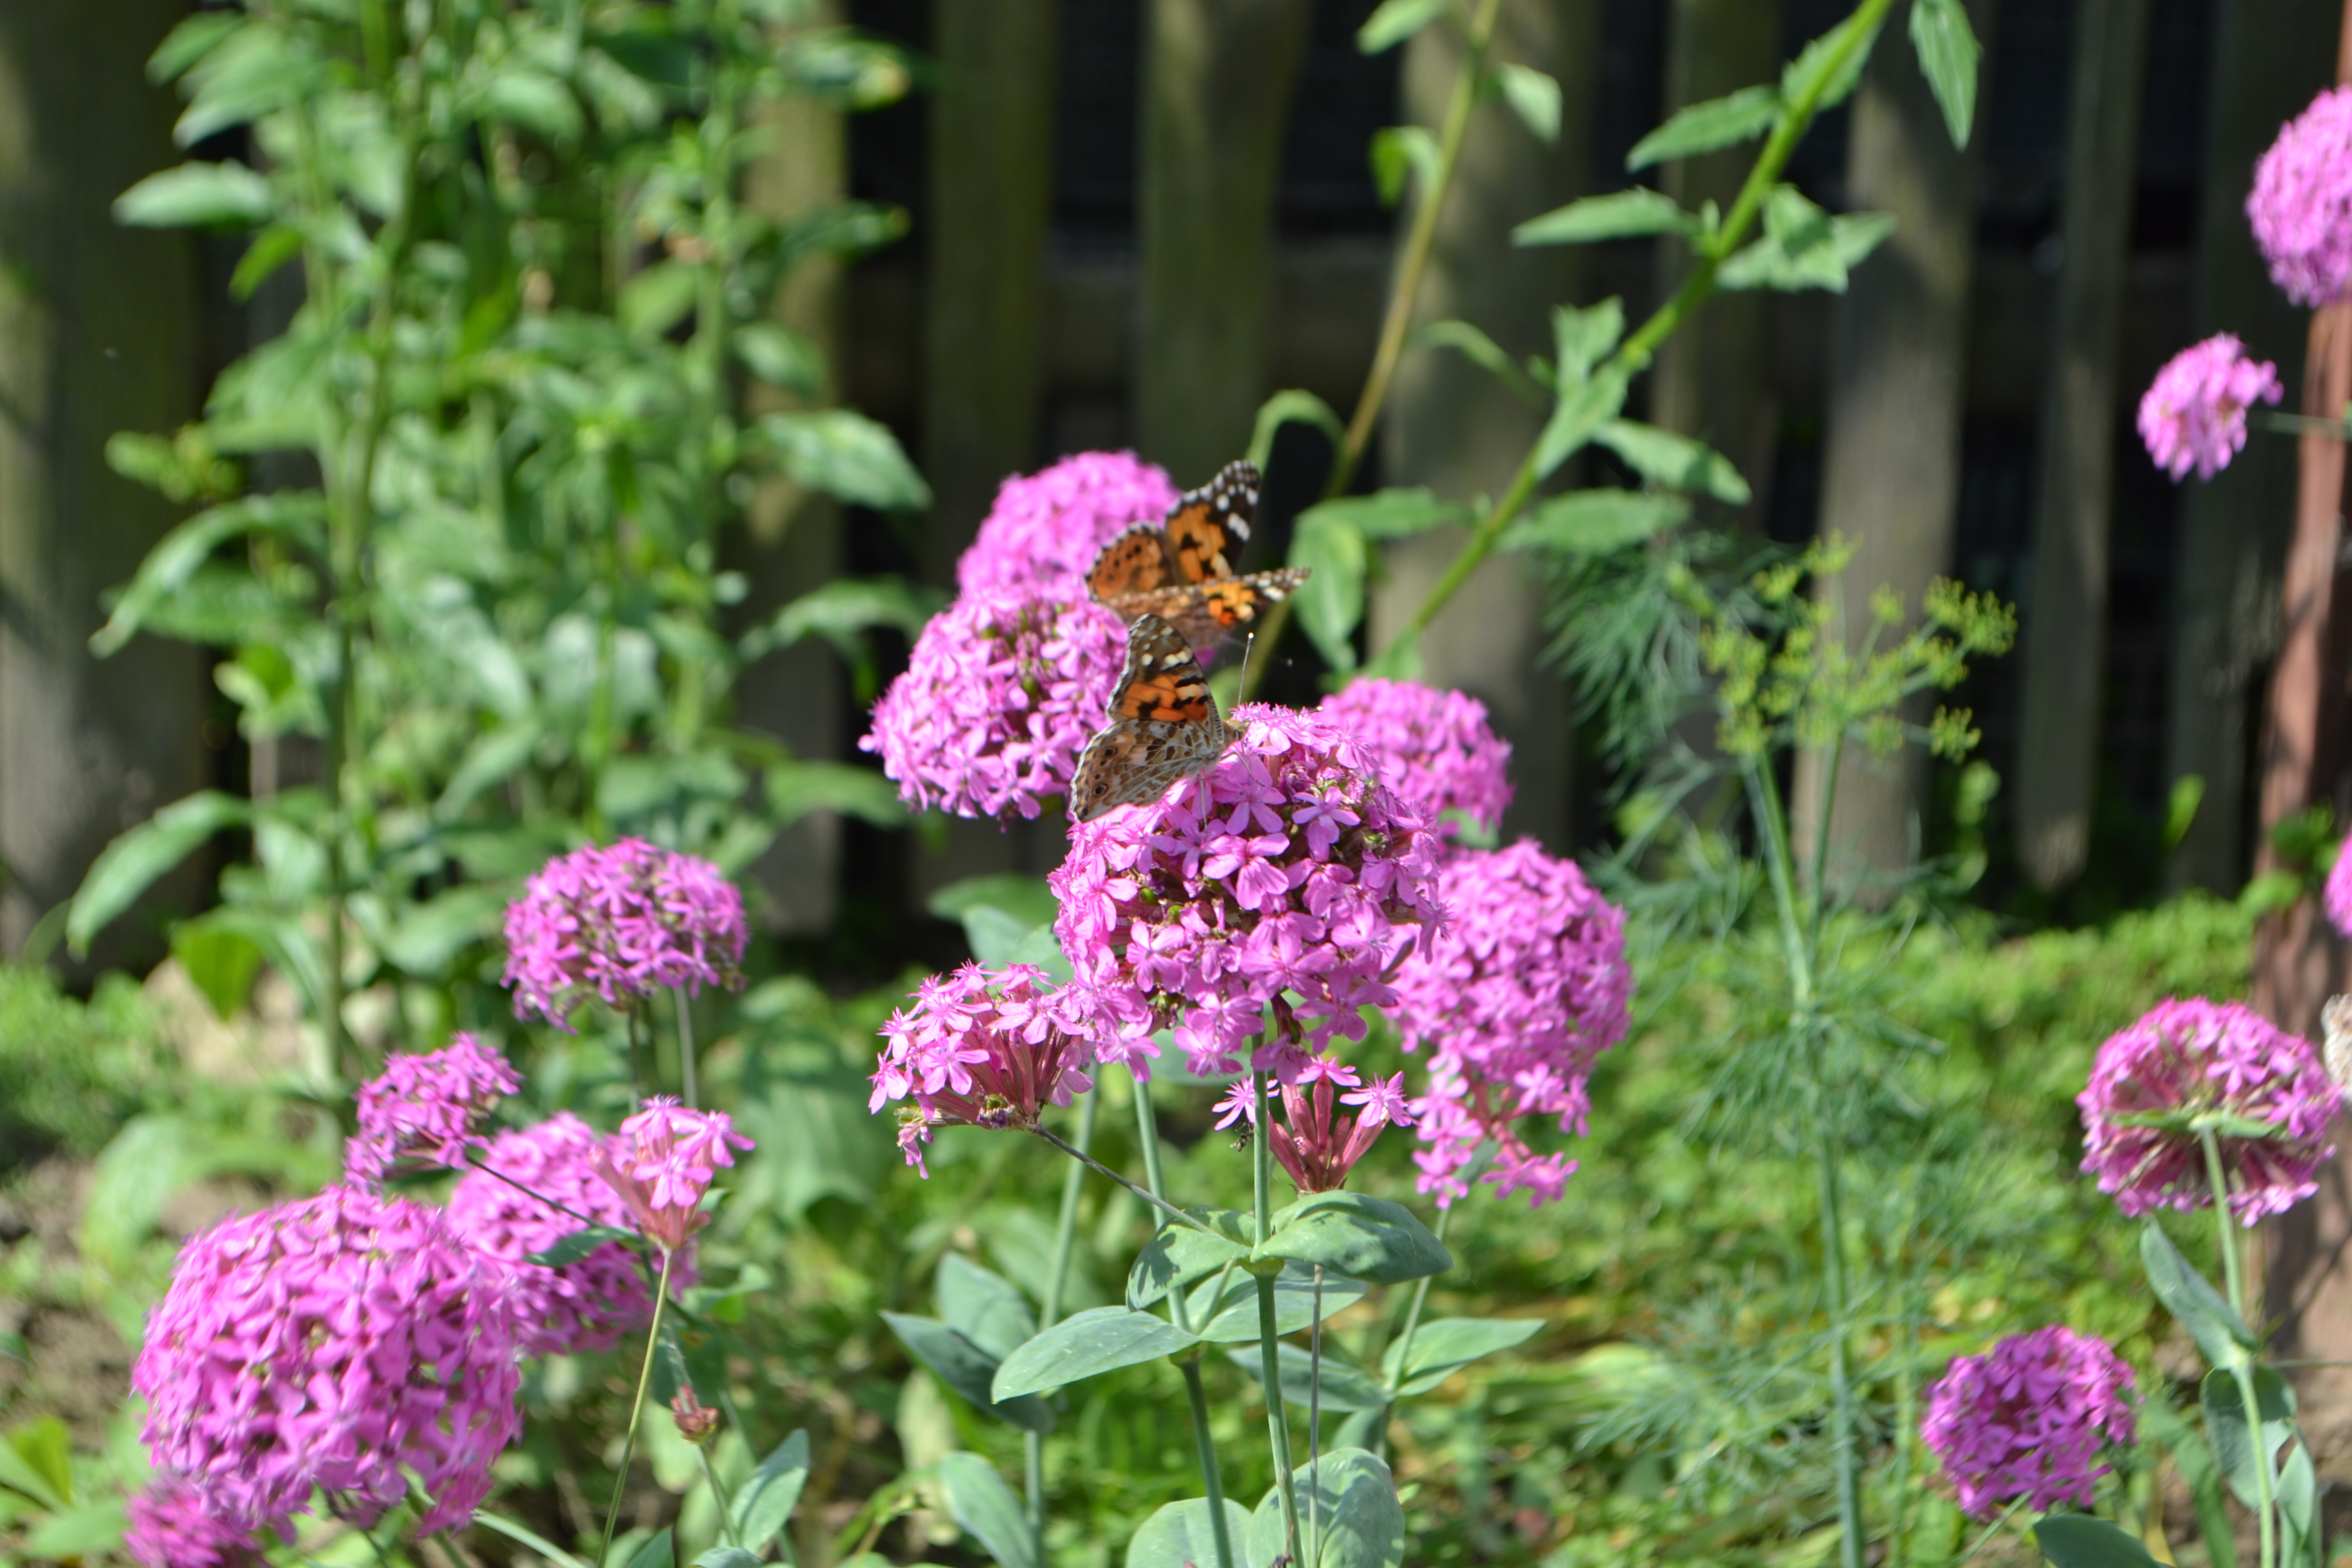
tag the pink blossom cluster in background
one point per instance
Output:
(2301, 204)
(2193, 416)
(1047, 527)
(1434, 748)
(2031, 1418)
(427, 1108)
(1287, 866)
(1315, 1146)
(2187, 1058)
(332, 1343)
(982, 1049)
(582, 1306)
(1513, 997)
(621, 922)
(1003, 692)
(172, 1528)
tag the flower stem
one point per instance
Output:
(1269, 1341)
(636, 1411)
(1154, 1199)
(1314, 1425)
(685, 1044)
(718, 1494)
(2242, 1365)
(1065, 1231)
(1212, 1480)
(1413, 1324)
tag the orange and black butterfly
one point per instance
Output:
(1163, 725)
(1181, 570)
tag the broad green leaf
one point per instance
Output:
(641, 784)
(523, 1535)
(1707, 127)
(1291, 406)
(256, 70)
(1595, 522)
(536, 102)
(1534, 97)
(1440, 1349)
(1345, 1387)
(1363, 1237)
(1400, 151)
(1581, 337)
(798, 788)
(726, 1557)
(423, 939)
(492, 757)
(1181, 1254)
(1363, 1522)
(130, 865)
(270, 249)
(848, 456)
(1675, 460)
(966, 1368)
(2299, 1504)
(2226, 1429)
(1331, 601)
(2220, 1334)
(842, 610)
(1040, 950)
(1183, 1535)
(983, 1306)
(1622, 214)
(197, 196)
(221, 960)
(37, 1459)
(1232, 1316)
(1481, 350)
(764, 1503)
(979, 1501)
(190, 41)
(660, 1552)
(658, 298)
(1804, 248)
(2078, 1541)
(151, 1158)
(1098, 1340)
(781, 357)
(1395, 21)
(994, 935)
(2165, 1428)
(572, 1248)
(1948, 52)
(299, 515)
(1394, 513)
(1826, 73)
(1027, 898)
(79, 1532)
(1580, 415)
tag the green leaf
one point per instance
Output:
(979, 1501)
(1232, 1316)
(1183, 1535)
(658, 298)
(966, 1368)
(1098, 1340)
(1707, 127)
(1675, 460)
(764, 1503)
(796, 789)
(189, 42)
(781, 357)
(1180, 1254)
(1292, 406)
(726, 1557)
(2298, 1505)
(1483, 351)
(1394, 22)
(37, 1459)
(2220, 1334)
(1345, 1387)
(1580, 413)
(983, 1306)
(299, 515)
(1363, 1522)
(1948, 52)
(423, 939)
(270, 249)
(2078, 1541)
(1804, 248)
(1581, 337)
(848, 456)
(1440, 1349)
(1027, 898)
(579, 1244)
(1829, 68)
(134, 860)
(1394, 513)
(1622, 214)
(842, 610)
(197, 196)
(1535, 98)
(2226, 1429)
(1363, 1237)
(524, 1535)
(1399, 150)
(536, 102)
(79, 1532)
(1331, 601)
(2164, 1428)
(222, 961)
(660, 1552)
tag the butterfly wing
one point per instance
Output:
(1163, 725)
(1134, 564)
(1208, 527)
(1204, 612)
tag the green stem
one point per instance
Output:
(1314, 1425)
(1154, 1199)
(719, 1493)
(685, 1044)
(1634, 354)
(1066, 1233)
(1269, 1341)
(1212, 1480)
(1412, 1322)
(2242, 1365)
(636, 1411)
(1849, 1492)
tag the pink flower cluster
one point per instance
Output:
(623, 921)
(1287, 865)
(427, 1108)
(1045, 530)
(979, 1049)
(1524, 984)
(1315, 1149)
(1434, 748)
(2193, 414)
(2189, 1060)
(585, 1305)
(2300, 205)
(2337, 894)
(1003, 692)
(2031, 1419)
(333, 1344)
(663, 1161)
(171, 1528)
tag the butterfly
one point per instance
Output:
(1178, 570)
(1164, 725)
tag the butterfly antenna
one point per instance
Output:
(1249, 643)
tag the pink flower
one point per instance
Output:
(170, 1527)
(1001, 694)
(1434, 748)
(2337, 894)
(427, 1108)
(623, 921)
(2300, 205)
(2194, 413)
(2186, 1062)
(1316, 1150)
(586, 1305)
(663, 1160)
(982, 1049)
(1523, 987)
(332, 1343)
(1287, 865)
(1045, 530)
(2032, 1419)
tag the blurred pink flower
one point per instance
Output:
(2031, 1419)
(1045, 529)
(2193, 416)
(2337, 894)
(2185, 1060)
(170, 1527)
(2301, 204)
(427, 1108)
(982, 1049)
(1001, 695)
(623, 921)
(662, 1162)
(1434, 748)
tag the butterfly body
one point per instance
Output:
(1163, 725)
(1181, 570)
